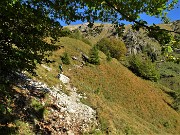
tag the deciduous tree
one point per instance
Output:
(25, 23)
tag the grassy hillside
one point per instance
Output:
(125, 103)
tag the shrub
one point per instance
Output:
(78, 35)
(94, 57)
(143, 68)
(39, 109)
(176, 103)
(169, 72)
(65, 32)
(23, 128)
(116, 47)
(85, 40)
(65, 59)
(108, 58)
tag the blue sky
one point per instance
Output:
(173, 15)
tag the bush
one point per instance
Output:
(169, 72)
(143, 68)
(108, 58)
(94, 57)
(78, 35)
(176, 103)
(116, 47)
(65, 32)
(65, 59)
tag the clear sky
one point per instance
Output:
(173, 15)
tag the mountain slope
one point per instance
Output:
(124, 102)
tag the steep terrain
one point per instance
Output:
(124, 102)
(92, 99)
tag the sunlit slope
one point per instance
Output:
(124, 102)
(124, 97)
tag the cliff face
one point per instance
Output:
(137, 42)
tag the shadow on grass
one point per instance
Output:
(21, 105)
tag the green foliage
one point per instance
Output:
(23, 128)
(2, 109)
(168, 50)
(78, 35)
(65, 58)
(176, 103)
(24, 24)
(36, 104)
(115, 47)
(128, 131)
(169, 72)
(65, 32)
(94, 56)
(143, 67)
(39, 109)
(162, 36)
(151, 53)
(22, 45)
(108, 54)
(103, 125)
(97, 91)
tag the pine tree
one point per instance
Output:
(65, 58)
(94, 56)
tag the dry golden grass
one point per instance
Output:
(124, 102)
(125, 97)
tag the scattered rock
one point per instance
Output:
(67, 114)
(46, 67)
(74, 58)
(64, 79)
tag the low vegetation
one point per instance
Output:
(125, 103)
(170, 75)
(94, 56)
(65, 58)
(115, 47)
(76, 34)
(143, 67)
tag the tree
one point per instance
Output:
(25, 23)
(22, 43)
(115, 47)
(94, 56)
(65, 58)
(143, 67)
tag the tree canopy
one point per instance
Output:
(24, 24)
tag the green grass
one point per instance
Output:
(170, 75)
(23, 128)
(125, 103)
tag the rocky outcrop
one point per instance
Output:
(176, 26)
(137, 41)
(67, 114)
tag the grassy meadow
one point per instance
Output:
(125, 103)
